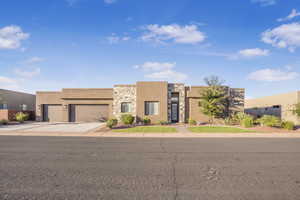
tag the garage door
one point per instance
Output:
(52, 113)
(88, 113)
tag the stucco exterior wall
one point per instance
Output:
(152, 91)
(124, 93)
(14, 99)
(264, 105)
(46, 98)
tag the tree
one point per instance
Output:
(213, 100)
(296, 109)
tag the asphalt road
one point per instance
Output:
(159, 168)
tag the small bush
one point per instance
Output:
(269, 120)
(111, 123)
(21, 117)
(288, 125)
(3, 122)
(192, 122)
(163, 122)
(247, 122)
(240, 118)
(146, 121)
(127, 119)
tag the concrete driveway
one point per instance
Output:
(52, 127)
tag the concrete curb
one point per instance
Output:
(156, 135)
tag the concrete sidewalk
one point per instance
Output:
(156, 135)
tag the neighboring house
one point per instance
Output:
(280, 105)
(155, 100)
(12, 102)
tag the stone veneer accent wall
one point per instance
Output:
(180, 88)
(237, 98)
(123, 93)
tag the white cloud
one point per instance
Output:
(265, 2)
(27, 73)
(284, 36)
(34, 60)
(8, 83)
(249, 53)
(110, 1)
(188, 34)
(271, 75)
(11, 37)
(292, 15)
(114, 39)
(155, 66)
(162, 71)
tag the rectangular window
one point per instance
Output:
(151, 108)
(24, 107)
(3, 106)
(126, 107)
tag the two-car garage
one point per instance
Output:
(77, 112)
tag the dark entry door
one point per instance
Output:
(174, 112)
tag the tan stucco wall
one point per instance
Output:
(152, 91)
(73, 96)
(46, 98)
(14, 99)
(286, 101)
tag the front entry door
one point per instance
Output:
(174, 112)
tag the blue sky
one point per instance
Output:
(49, 45)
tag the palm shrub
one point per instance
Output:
(21, 117)
(146, 121)
(288, 125)
(111, 123)
(127, 119)
(269, 120)
(247, 121)
(192, 122)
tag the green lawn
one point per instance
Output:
(218, 129)
(147, 129)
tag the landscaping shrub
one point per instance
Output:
(269, 120)
(127, 119)
(288, 125)
(146, 121)
(111, 123)
(247, 122)
(240, 118)
(229, 121)
(162, 122)
(192, 122)
(3, 122)
(21, 117)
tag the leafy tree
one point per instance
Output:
(213, 99)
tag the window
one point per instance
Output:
(276, 106)
(3, 106)
(23, 107)
(125, 107)
(175, 97)
(151, 108)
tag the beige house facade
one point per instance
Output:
(280, 105)
(159, 101)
